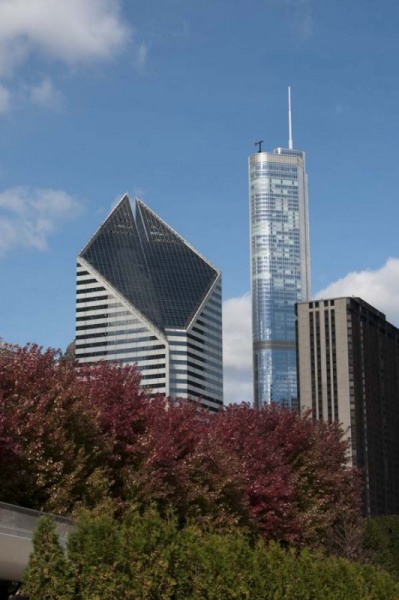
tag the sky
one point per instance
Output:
(164, 99)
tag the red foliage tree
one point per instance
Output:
(178, 462)
(295, 471)
(10, 460)
(61, 453)
(81, 434)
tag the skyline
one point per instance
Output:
(164, 101)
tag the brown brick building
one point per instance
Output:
(348, 370)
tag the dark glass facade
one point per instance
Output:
(150, 265)
(174, 267)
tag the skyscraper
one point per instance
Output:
(348, 367)
(280, 266)
(145, 296)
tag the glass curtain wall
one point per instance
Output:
(280, 270)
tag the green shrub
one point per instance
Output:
(381, 542)
(48, 575)
(151, 557)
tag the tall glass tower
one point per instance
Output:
(280, 266)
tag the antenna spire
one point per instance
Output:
(259, 144)
(290, 142)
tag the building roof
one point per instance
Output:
(153, 267)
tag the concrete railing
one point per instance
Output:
(16, 532)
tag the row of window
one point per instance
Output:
(90, 290)
(213, 311)
(122, 313)
(214, 302)
(204, 315)
(99, 307)
(188, 363)
(213, 383)
(147, 376)
(210, 385)
(108, 324)
(203, 396)
(189, 373)
(196, 388)
(158, 366)
(205, 351)
(207, 326)
(154, 386)
(104, 353)
(93, 299)
(140, 359)
(116, 342)
(321, 303)
(109, 332)
(207, 335)
(217, 366)
(209, 345)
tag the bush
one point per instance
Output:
(381, 542)
(149, 557)
(48, 575)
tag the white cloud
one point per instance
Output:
(237, 349)
(45, 94)
(29, 217)
(379, 288)
(71, 32)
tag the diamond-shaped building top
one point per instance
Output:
(154, 268)
(145, 295)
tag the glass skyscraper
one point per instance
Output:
(145, 296)
(280, 267)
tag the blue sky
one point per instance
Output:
(164, 99)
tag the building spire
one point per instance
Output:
(259, 144)
(290, 142)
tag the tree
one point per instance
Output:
(48, 575)
(295, 471)
(82, 434)
(10, 462)
(381, 542)
(345, 537)
(61, 455)
(177, 463)
(95, 553)
(147, 556)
